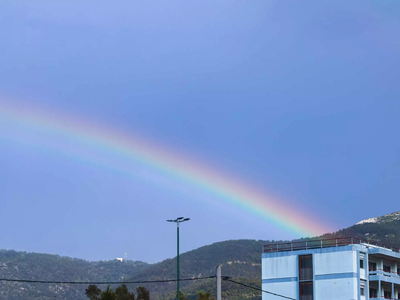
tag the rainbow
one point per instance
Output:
(232, 190)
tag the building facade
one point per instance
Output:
(330, 269)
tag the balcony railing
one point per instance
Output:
(322, 243)
(384, 273)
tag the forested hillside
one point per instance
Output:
(386, 230)
(35, 266)
(240, 259)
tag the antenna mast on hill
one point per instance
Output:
(126, 255)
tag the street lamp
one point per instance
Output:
(177, 221)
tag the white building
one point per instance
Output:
(334, 269)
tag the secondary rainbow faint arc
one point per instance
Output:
(171, 162)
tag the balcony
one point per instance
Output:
(384, 276)
(384, 273)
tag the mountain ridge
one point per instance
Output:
(240, 259)
(385, 218)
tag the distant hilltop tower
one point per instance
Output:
(125, 256)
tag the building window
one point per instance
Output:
(305, 267)
(387, 295)
(372, 266)
(373, 293)
(386, 269)
(305, 277)
(362, 287)
(398, 272)
(361, 264)
(306, 290)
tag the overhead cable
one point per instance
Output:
(255, 288)
(101, 282)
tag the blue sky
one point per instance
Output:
(298, 98)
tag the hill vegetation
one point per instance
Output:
(240, 259)
(35, 266)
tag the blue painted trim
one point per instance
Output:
(316, 251)
(336, 276)
(379, 272)
(279, 280)
(384, 252)
(384, 279)
(335, 249)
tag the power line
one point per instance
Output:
(256, 288)
(101, 282)
(225, 278)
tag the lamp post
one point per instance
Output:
(177, 221)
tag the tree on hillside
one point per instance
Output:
(93, 292)
(182, 296)
(108, 294)
(143, 293)
(205, 296)
(122, 293)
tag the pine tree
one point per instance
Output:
(143, 293)
(93, 292)
(108, 294)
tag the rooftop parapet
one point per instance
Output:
(323, 243)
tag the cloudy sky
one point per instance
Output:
(297, 99)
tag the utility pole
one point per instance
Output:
(219, 282)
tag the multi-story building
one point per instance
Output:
(331, 269)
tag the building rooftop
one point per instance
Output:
(323, 243)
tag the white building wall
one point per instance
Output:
(279, 276)
(363, 274)
(288, 289)
(335, 262)
(279, 267)
(335, 275)
(335, 289)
